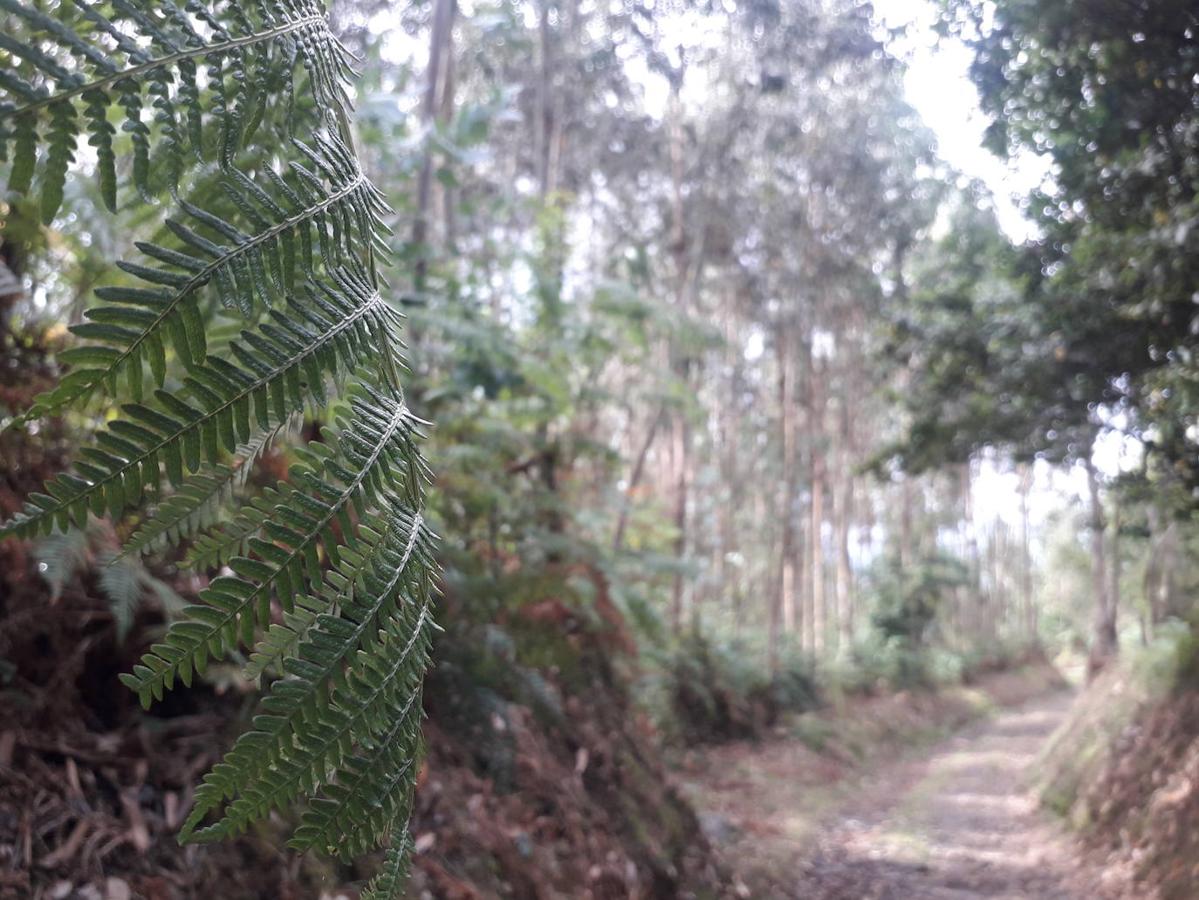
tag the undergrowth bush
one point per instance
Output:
(704, 691)
(701, 690)
(877, 664)
(882, 662)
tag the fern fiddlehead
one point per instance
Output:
(330, 570)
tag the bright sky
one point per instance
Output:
(938, 85)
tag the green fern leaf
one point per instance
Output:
(331, 330)
(87, 54)
(375, 581)
(378, 442)
(339, 218)
(401, 542)
(200, 499)
(378, 697)
(231, 539)
(373, 786)
(389, 883)
(208, 92)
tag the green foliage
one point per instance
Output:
(901, 649)
(389, 883)
(1170, 660)
(877, 661)
(984, 347)
(124, 582)
(282, 238)
(1106, 93)
(709, 691)
(906, 599)
(127, 53)
(330, 216)
(198, 504)
(357, 470)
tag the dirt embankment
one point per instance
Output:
(1143, 807)
(1124, 771)
(542, 781)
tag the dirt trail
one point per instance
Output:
(950, 823)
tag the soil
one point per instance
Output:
(1140, 806)
(953, 821)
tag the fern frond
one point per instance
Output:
(388, 883)
(377, 443)
(330, 330)
(366, 592)
(340, 544)
(326, 218)
(123, 583)
(87, 57)
(373, 786)
(61, 556)
(231, 539)
(399, 541)
(380, 695)
(192, 508)
(198, 502)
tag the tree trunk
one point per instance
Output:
(1029, 618)
(971, 612)
(681, 453)
(842, 515)
(1161, 569)
(767, 589)
(728, 575)
(1115, 566)
(815, 618)
(435, 102)
(1104, 641)
(638, 470)
(788, 580)
(680, 362)
(906, 502)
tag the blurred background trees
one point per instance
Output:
(703, 320)
(724, 359)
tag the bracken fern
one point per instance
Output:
(201, 107)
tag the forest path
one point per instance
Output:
(953, 821)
